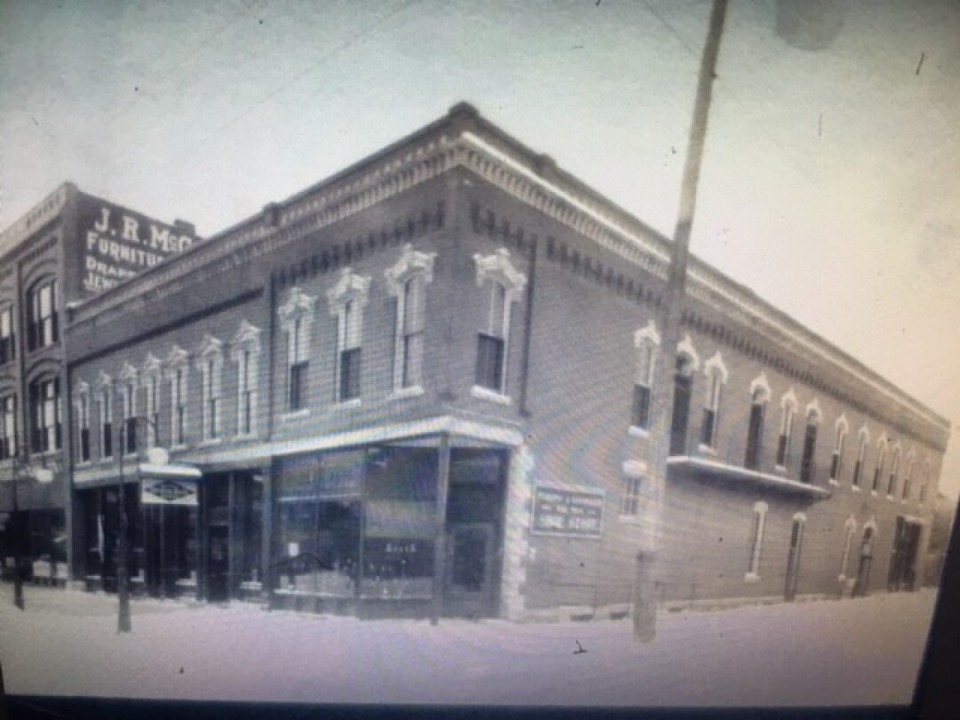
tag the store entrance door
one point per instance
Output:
(468, 590)
(218, 564)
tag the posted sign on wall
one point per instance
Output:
(577, 513)
(118, 243)
(156, 491)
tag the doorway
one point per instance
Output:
(469, 569)
(903, 560)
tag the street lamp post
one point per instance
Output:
(42, 475)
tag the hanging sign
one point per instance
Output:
(577, 513)
(168, 491)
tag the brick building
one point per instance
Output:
(69, 247)
(423, 386)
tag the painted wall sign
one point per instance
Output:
(156, 491)
(117, 243)
(567, 512)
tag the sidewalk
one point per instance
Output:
(863, 651)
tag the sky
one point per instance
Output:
(829, 184)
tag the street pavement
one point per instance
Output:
(847, 652)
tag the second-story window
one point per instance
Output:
(759, 395)
(646, 343)
(83, 423)
(245, 352)
(864, 440)
(128, 404)
(8, 426)
(716, 377)
(407, 281)
(807, 459)
(45, 413)
(105, 400)
(151, 392)
(840, 439)
(296, 319)
(789, 411)
(210, 364)
(503, 285)
(908, 477)
(8, 340)
(43, 327)
(347, 299)
(878, 468)
(177, 368)
(894, 469)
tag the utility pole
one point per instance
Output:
(645, 601)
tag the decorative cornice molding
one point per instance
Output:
(37, 217)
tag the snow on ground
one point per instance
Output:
(852, 652)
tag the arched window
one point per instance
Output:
(716, 373)
(788, 407)
(759, 396)
(863, 438)
(687, 363)
(840, 440)
(756, 541)
(908, 476)
(849, 532)
(807, 460)
(878, 468)
(42, 317)
(646, 342)
(894, 469)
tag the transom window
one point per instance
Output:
(42, 327)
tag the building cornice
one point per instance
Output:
(37, 217)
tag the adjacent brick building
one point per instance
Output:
(423, 386)
(68, 248)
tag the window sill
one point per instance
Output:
(629, 519)
(406, 392)
(855, 488)
(483, 393)
(707, 449)
(638, 432)
(751, 577)
(890, 498)
(782, 469)
(347, 404)
(210, 443)
(295, 414)
(244, 437)
(833, 482)
(873, 493)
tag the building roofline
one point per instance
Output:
(464, 138)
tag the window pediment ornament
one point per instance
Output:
(81, 389)
(761, 384)
(864, 435)
(813, 412)
(298, 305)
(411, 261)
(648, 333)
(686, 349)
(209, 346)
(152, 365)
(499, 267)
(128, 373)
(716, 363)
(789, 400)
(103, 380)
(177, 358)
(247, 338)
(350, 286)
(851, 524)
(842, 425)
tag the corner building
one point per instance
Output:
(423, 387)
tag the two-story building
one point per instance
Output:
(423, 386)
